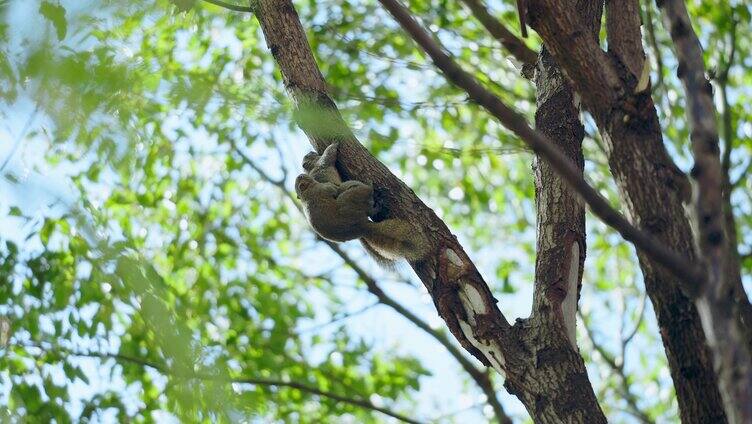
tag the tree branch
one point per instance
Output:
(165, 370)
(733, 260)
(560, 213)
(514, 45)
(704, 135)
(447, 272)
(618, 371)
(640, 316)
(476, 374)
(691, 276)
(654, 42)
(623, 32)
(229, 6)
(644, 171)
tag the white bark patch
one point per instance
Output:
(703, 307)
(644, 81)
(469, 310)
(472, 302)
(453, 257)
(569, 305)
(491, 352)
(476, 305)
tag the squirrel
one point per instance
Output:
(322, 168)
(340, 213)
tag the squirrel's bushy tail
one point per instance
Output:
(392, 239)
(377, 256)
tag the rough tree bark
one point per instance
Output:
(541, 366)
(560, 213)
(733, 266)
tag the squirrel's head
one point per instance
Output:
(309, 161)
(303, 183)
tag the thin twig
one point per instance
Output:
(514, 45)
(164, 369)
(280, 182)
(743, 175)
(618, 371)
(337, 318)
(354, 43)
(640, 317)
(19, 138)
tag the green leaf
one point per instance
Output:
(72, 372)
(15, 211)
(56, 14)
(183, 5)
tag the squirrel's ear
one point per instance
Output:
(309, 160)
(302, 182)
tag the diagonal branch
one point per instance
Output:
(164, 369)
(479, 376)
(514, 45)
(447, 272)
(691, 276)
